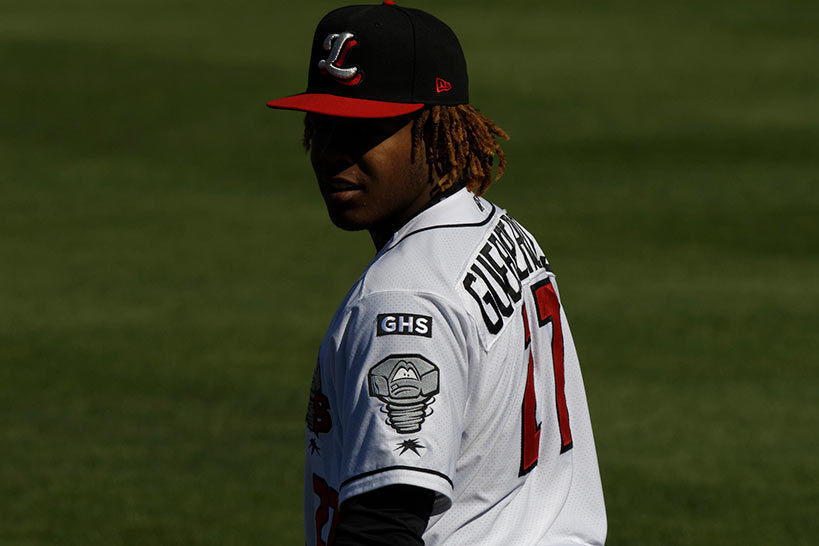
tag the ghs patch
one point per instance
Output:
(403, 324)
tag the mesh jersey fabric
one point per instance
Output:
(450, 365)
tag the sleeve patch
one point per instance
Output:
(403, 324)
(407, 385)
(318, 408)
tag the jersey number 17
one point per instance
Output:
(547, 310)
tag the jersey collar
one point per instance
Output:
(460, 210)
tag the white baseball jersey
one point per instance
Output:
(450, 366)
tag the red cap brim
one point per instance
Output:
(331, 105)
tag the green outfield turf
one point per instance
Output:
(167, 268)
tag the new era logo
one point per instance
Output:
(442, 86)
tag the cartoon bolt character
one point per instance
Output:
(406, 384)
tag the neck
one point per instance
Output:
(382, 234)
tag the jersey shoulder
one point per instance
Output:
(465, 252)
(429, 254)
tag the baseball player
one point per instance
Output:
(447, 404)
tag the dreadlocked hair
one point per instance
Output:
(460, 146)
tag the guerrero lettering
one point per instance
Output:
(495, 278)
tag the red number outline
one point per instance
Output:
(547, 310)
(328, 499)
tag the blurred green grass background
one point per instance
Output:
(167, 269)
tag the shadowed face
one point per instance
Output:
(366, 175)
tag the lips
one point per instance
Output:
(341, 184)
(339, 188)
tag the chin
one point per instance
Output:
(344, 220)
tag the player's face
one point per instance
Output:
(366, 174)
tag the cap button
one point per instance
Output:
(389, 2)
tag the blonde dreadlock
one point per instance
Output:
(459, 143)
(460, 146)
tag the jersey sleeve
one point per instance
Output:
(400, 379)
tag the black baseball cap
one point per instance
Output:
(379, 61)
